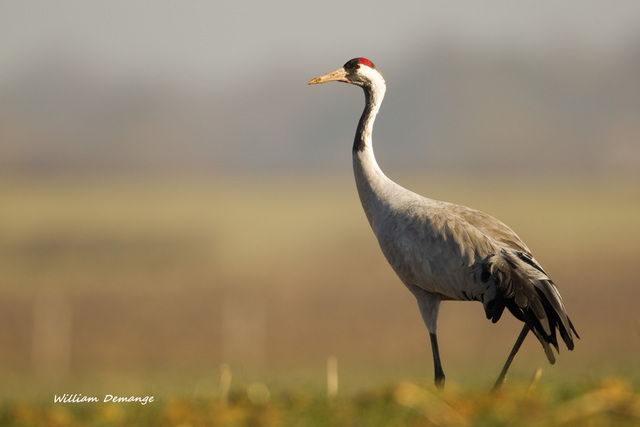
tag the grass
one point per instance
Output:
(611, 402)
(160, 280)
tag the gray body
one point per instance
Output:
(438, 249)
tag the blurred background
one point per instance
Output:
(174, 197)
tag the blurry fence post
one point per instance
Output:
(332, 377)
(52, 323)
(225, 383)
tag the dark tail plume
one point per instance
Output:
(528, 293)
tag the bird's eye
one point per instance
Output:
(357, 66)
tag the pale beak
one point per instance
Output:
(339, 75)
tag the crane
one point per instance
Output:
(443, 251)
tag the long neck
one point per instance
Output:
(371, 182)
(373, 95)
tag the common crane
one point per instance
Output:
(443, 251)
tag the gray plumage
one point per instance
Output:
(443, 251)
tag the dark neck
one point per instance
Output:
(359, 142)
(373, 99)
(373, 186)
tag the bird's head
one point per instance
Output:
(358, 71)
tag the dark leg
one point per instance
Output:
(437, 366)
(514, 350)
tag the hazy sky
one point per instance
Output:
(228, 42)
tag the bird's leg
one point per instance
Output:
(429, 305)
(437, 365)
(514, 350)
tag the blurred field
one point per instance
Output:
(147, 284)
